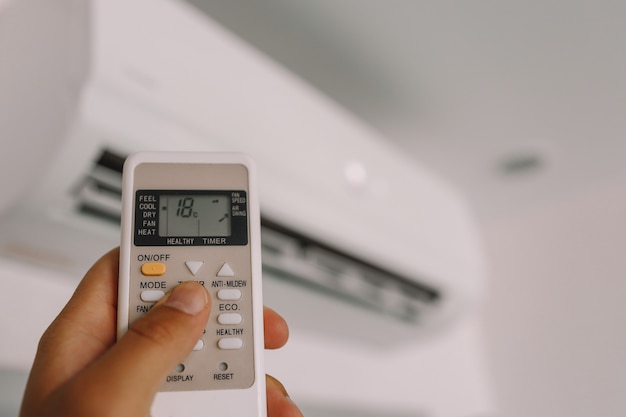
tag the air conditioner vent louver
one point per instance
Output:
(99, 194)
(318, 266)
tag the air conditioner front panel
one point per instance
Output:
(195, 87)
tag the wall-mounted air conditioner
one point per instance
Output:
(358, 239)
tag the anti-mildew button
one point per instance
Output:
(229, 294)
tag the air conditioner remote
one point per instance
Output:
(195, 216)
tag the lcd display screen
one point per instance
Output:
(188, 215)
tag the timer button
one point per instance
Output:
(153, 269)
(194, 266)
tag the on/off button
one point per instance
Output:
(153, 269)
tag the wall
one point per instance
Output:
(555, 319)
(444, 376)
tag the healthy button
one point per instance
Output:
(230, 343)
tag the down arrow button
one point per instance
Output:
(194, 266)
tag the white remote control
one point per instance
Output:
(195, 216)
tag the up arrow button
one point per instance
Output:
(226, 271)
(194, 266)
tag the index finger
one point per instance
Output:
(276, 329)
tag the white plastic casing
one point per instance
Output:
(248, 401)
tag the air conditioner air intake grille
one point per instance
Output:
(309, 262)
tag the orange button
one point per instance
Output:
(153, 269)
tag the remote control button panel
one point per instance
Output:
(197, 231)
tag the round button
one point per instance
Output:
(153, 269)
(151, 296)
(230, 343)
(229, 318)
(229, 294)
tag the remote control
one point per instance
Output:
(195, 216)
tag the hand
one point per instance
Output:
(79, 370)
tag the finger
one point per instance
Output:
(276, 329)
(151, 348)
(83, 330)
(278, 402)
(91, 311)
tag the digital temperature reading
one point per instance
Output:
(194, 215)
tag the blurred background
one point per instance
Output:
(515, 110)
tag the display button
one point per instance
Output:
(153, 269)
(229, 318)
(230, 343)
(229, 294)
(151, 296)
(199, 345)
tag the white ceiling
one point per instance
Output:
(465, 85)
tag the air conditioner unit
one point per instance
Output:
(359, 240)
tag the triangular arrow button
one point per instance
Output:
(226, 271)
(194, 266)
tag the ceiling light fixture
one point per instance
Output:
(355, 173)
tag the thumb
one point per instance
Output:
(132, 371)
